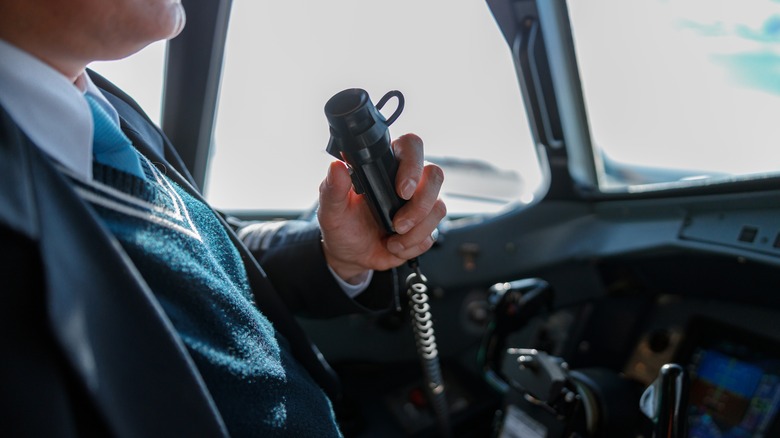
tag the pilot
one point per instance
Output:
(130, 307)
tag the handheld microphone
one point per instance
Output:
(359, 136)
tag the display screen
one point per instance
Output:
(735, 390)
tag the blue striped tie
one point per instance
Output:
(110, 145)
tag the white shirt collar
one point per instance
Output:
(49, 108)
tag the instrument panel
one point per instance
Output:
(733, 373)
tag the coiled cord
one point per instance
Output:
(422, 325)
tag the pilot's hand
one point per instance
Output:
(354, 242)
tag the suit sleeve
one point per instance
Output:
(291, 254)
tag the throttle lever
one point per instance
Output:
(665, 402)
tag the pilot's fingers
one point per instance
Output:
(420, 238)
(409, 153)
(334, 191)
(424, 201)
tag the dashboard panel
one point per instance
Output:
(638, 284)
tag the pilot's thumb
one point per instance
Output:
(334, 190)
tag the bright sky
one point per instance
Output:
(688, 84)
(286, 59)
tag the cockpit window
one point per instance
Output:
(680, 92)
(284, 60)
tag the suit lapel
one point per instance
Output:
(100, 311)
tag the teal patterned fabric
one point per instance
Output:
(186, 257)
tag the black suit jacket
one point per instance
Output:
(85, 347)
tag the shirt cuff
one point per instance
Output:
(352, 290)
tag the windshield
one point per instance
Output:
(284, 60)
(680, 91)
